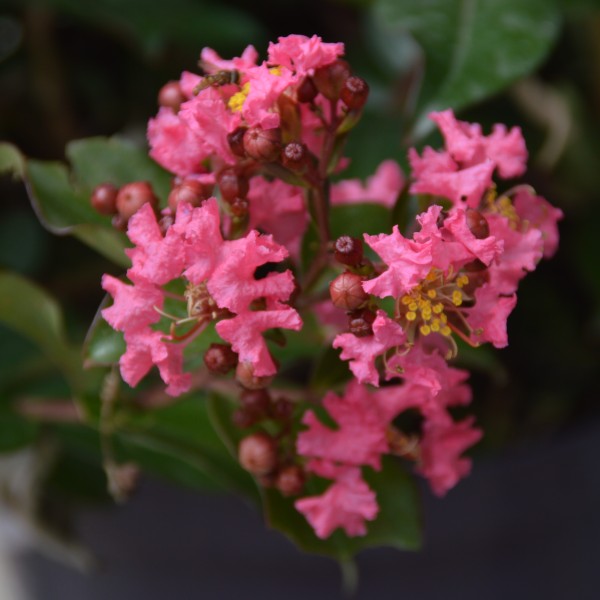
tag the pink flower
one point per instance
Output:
(212, 63)
(278, 208)
(244, 331)
(468, 147)
(302, 55)
(362, 351)
(441, 449)
(383, 187)
(348, 503)
(174, 145)
(360, 438)
(539, 214)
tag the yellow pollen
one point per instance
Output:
(275, 71)
(435, 325)
(425, 329)
(432, 294)
(413, 306)
(406, 300)
(236, 102)
(443, 318)
(446, 330)
(438, 308)
(462, 280)
(411, 316)
(426, 314)
(457, 297)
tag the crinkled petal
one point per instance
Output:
(302, 55)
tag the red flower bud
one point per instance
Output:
(104, 198)
(257, 454)
(361, 323)
(171, 96)
(232, 185)
(190, 191)
(346, 291)
(220, 358)
(330, 79)
(477, 224)
(236, 141)
(263, 145)
(133, 196)
(294, 156)
(306, 91)
(244, 373)
(244, 418)
(290, 480)
(348, 250)
(355, 92)
(257, 401)
(282, 410)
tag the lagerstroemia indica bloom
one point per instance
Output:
(264, 137)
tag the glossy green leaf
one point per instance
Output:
(471, 48)
(359, 218)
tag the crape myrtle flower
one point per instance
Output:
(219, 286)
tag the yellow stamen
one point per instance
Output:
(432, 294)
(457, 297)
(438, 308)
(446, 331)
(425, 329)
(411, 316)
(236, 102)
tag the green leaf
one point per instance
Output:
(11, 160)
(398, 523)
(356, 219)
(15, 432)
(471, 48)
(103, 346)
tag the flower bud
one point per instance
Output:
(306, 91)
(257, 454)
(133, 196)
(257, 401)
(361, 323)
(235, 140)
(171, 96)
(346, 291)
(244, 418)
(104, 199)
(348, 250)
(294, 156)
(263, 145)
(477, 224)
(355, 92)
(330, 79)
(232, 185)
(290, 480)
(118, 222)
(165, 222)
(191, 191)
(282, 410)
(220, 358)
(244, 373)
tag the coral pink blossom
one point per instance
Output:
(244, 333)
(174, 145)
(278, 208)
(211, 62)
(488, 316)
(360, 437)
(443, 443)
(383, 187)
(362, 351)
(539, 214)
(348, 503)
(468, 146)
(302, 55)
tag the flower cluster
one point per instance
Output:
(252, 147)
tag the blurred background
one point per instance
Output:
(525, 523)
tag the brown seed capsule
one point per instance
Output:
(244, 373)
(220, 358)
(290, 480)
(330, 79)
(235, 140)
(257, 454)
(104, 198)
(346, 291)
(263, 145)
(306, 91)
(477, 224)
(171, 96)
(355, 92)
(361, 323)
(191, 191)
(348, 250)
(133, 196)
(232, 185)
(294, 156)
